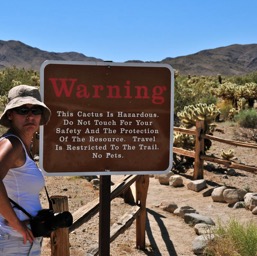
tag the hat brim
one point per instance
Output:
(19, 101)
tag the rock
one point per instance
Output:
(204, 229)
(168, 207)
(181, 211)
(241, 194)
(197, 185)
(176, 181)
(208, 192)
(89, 178)
(96, 183)
(253, 202)
(254, 211)
(200, 243)
(164, 178)
(231, 172)
(248, 200)
(217, 194)
(231, 196)
(240, 204)
(194, 218)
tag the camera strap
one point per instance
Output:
(24, 211)
(49, 200)
(20, 208)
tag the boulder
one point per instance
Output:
(168, 206)
(181, 211)
(217, 194)
(200, 243)
(231, 196)
(164, 178)
(197, 185)
(176, 181)
(247, 199)
(194, 218)
(204, 229)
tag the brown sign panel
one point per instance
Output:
(107, 118)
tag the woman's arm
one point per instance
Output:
(11, 155)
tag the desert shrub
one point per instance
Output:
(234, 239)
(248, 78)
(247, 118)
(10, 77)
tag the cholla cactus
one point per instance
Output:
(35, 80)
(242, 104)
(188, 118)
(198, 112)
(3, 100)
(226, 90)
(183, 140)
(227, 155)
(248, 90)
(232, 112)
(15, 83)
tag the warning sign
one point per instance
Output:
(107, 118)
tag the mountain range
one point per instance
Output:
(236, 59)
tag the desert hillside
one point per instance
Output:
(229, 60)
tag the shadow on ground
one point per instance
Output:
(164, 234)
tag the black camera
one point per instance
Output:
(47, 221)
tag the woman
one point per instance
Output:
(20, 178)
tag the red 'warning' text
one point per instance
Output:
(69, 87)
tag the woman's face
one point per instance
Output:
(26, 119)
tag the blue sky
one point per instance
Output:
(120, 30)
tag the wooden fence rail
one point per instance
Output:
(199, 153)
(86, 212)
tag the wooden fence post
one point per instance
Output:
(199, 150)
(60, 237)
(142, 185)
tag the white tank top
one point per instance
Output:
(23, 185)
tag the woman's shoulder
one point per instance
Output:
(11, 146)
(10, 139)
(11, 155)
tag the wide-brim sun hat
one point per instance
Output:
(22, 95)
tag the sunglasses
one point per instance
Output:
(36, 110)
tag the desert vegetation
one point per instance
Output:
(213, 99)
(234, 238)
